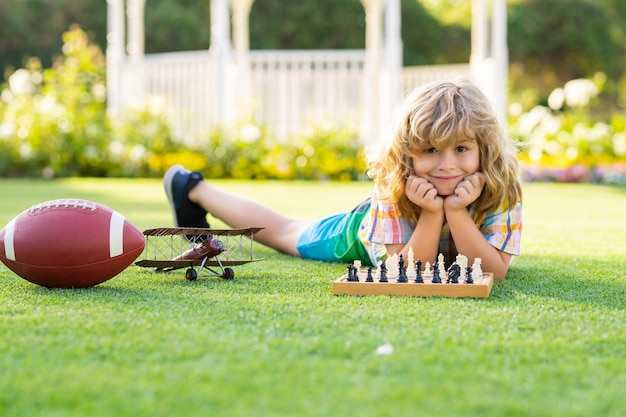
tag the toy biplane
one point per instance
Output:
(213, 250)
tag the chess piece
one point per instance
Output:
(369, 277)
(353, 275)
(441, 265)
(436, 277)
(418, 272)
(477, 272)
(383, 272)
(410, 272)
(453, 274)
(402, 275)
(462, 261)
(391, 266)
(428, 271)
(468, 275)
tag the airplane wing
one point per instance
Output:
(165, 244)
(168, 265)
(199, 231)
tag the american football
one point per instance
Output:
(69, 243)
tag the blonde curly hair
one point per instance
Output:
(442, 114)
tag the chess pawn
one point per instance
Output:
(428, 271)
(468, 275)
(369, 277)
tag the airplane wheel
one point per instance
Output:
(228, 273)
(191, 274)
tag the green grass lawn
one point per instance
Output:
(550, 341)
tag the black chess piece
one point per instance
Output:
(436, 278)
(352, 273)
(418, 272)
(402, 274)
(454, 272)
(369, 277)
(383, 273)
(468, 275)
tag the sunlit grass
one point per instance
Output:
(550, 341)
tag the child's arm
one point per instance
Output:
(424, 240)
(470, 242)
(468, 239)
(425, 237)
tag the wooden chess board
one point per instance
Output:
(481, 288)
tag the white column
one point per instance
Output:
(134, 89)
(373, 42)
(220, 53)
(489, 57)
(114, 52)
(136, 31)
(241, 44)
(501, 59)
(479, 31)
(390, 90)
(241, 31)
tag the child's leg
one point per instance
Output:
(281, 232)
(191, 198)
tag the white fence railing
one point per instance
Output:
(286, 90)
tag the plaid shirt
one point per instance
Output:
(383, 225)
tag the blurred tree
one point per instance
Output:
(181, 25)
(34, 28)
(323, 24)
(552, 42)
(331, 24)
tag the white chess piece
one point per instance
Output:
(461, 260)
(392, 266)
(428, 270)
(477, 272)
(442, 265)
(410, 265)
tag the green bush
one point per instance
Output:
(54, 123)
(563, 141)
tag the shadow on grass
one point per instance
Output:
(572, 280)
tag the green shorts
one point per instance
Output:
(335, 238)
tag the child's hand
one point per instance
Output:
(466, 192)
(423, 194)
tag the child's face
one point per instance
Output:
(446, 167)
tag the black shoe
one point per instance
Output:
(178, 181)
